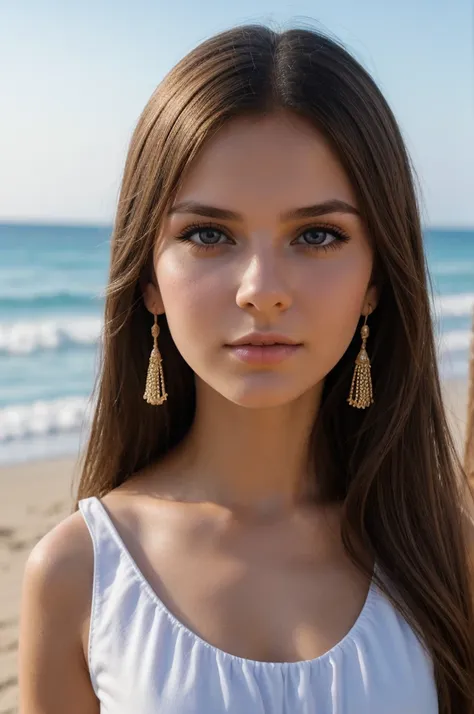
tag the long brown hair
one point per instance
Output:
(393, 466)
(469, 446)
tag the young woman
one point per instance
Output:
(271, 516)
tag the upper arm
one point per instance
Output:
(55, 605)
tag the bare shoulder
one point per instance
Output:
(54, 616)
(62, 562)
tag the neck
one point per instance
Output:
(253, 460)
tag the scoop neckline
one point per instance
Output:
(218, 652)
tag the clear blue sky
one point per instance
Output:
(76, 74)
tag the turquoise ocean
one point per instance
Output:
(52, 280)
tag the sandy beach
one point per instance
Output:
(34, 497)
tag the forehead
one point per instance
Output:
(278, 159)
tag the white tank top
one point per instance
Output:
(142, 659)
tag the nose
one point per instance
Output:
(262, 289)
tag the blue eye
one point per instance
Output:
(204, 231)
(317, 236)
(209, 236)
(205, 235)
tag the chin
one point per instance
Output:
(254, 395)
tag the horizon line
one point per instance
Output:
(51, 223)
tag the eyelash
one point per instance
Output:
(185, 236)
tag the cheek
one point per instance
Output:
(190, 298)
(337, 296)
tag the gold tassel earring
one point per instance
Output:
(155, 384)
(361, 395)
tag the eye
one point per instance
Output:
(200, 237)
(208, 236)
(322, 237)
(203, 236)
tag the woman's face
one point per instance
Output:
(305, 277)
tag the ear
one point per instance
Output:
(152, 297)
(371, 299)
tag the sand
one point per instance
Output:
(35, 496)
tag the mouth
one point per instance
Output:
(263, 339)
(263, 352)
(263, 344)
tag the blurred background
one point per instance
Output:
(75, 77)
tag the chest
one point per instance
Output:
(260, 603)
(142, 661)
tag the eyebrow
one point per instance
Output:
(333, 205)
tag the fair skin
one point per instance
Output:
(220, 527)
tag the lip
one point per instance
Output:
(264, 339)
(263, 348)
(263, 354)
